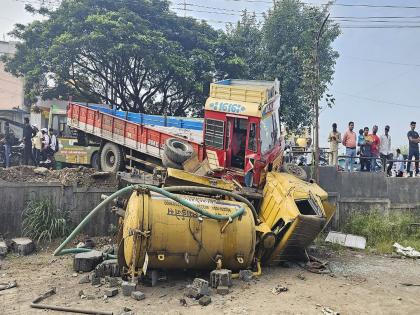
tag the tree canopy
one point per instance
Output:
(140, 55)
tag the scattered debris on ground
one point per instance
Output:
(279, 289)
(79, 176)
(406, 251)
(347, 240)
(9, 285)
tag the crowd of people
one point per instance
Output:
(369, 147)
(39, 145)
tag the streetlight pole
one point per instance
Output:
(316, 99)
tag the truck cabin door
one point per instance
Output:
(236, 132)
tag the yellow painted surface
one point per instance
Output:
(198, 180)
(178, 239)
(279, 209)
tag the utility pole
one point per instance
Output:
(316, 99)
(185, 8)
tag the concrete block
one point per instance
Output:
(3, 249)
(23, 246)
(246, 275)
(192, 292)
(113, 282)
(347, 240)
(222, 290)
(111, 292)
(202, 286)
(95, 280)
(109, 268)
(137, 295)
(128, 288)
(222, 277)
(84, 279)
(204, 300)
(87, 261)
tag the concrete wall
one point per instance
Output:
(78, 200)
(364, 192)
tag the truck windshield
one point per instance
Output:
(268, 133)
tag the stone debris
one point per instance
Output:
(112, 282)
(246, 275)
(204, 300)
(197, 289)
(84, 279)
(9, 285)
(279, 289)
(222, 290)
(95, 280)
(137, 295)
(3, 248)
(406, 251)
(111, 292)
(87, 261)
(222, 277)
(108, 268)
(128, 288)
(23, 246)
(80, 176)
(329, 311)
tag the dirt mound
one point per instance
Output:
(80, 176)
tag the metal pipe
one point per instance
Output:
(69, 309)
(211, 190)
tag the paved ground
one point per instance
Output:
(360, 284)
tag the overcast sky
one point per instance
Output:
(377, 75)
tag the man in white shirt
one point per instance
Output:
(385, 151)
(45, 145)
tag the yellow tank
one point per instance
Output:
(174, 237)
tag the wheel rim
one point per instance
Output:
(110, 159)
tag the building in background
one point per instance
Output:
(11, 94)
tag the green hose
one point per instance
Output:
(211, 190)
(127, 189)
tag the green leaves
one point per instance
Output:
(43, 222)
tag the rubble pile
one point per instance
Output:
(80, 176)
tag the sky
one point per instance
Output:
(376, 79)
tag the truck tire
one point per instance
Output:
(112, 159)
(295, 170)
(178, 151)
(94, 161)
(167, 162)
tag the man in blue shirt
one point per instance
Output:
(413, 148)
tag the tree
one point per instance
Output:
(133, 53)
(283, 47)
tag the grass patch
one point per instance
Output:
(43, 222)
(382, 231)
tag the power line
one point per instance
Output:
(382, 61)
(378, 101)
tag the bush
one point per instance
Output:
(42, 221)
(381, 231)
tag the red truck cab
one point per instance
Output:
(242, 137)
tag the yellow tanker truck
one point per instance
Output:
(198, 222)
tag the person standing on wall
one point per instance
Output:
(45, 146)
(413, 148)
(53, 146)
(399, 166)
(334, 138)
(385, 151)
(37, 145)
(349, 141)
(374, 149)
(7, 142)
(28, 132)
